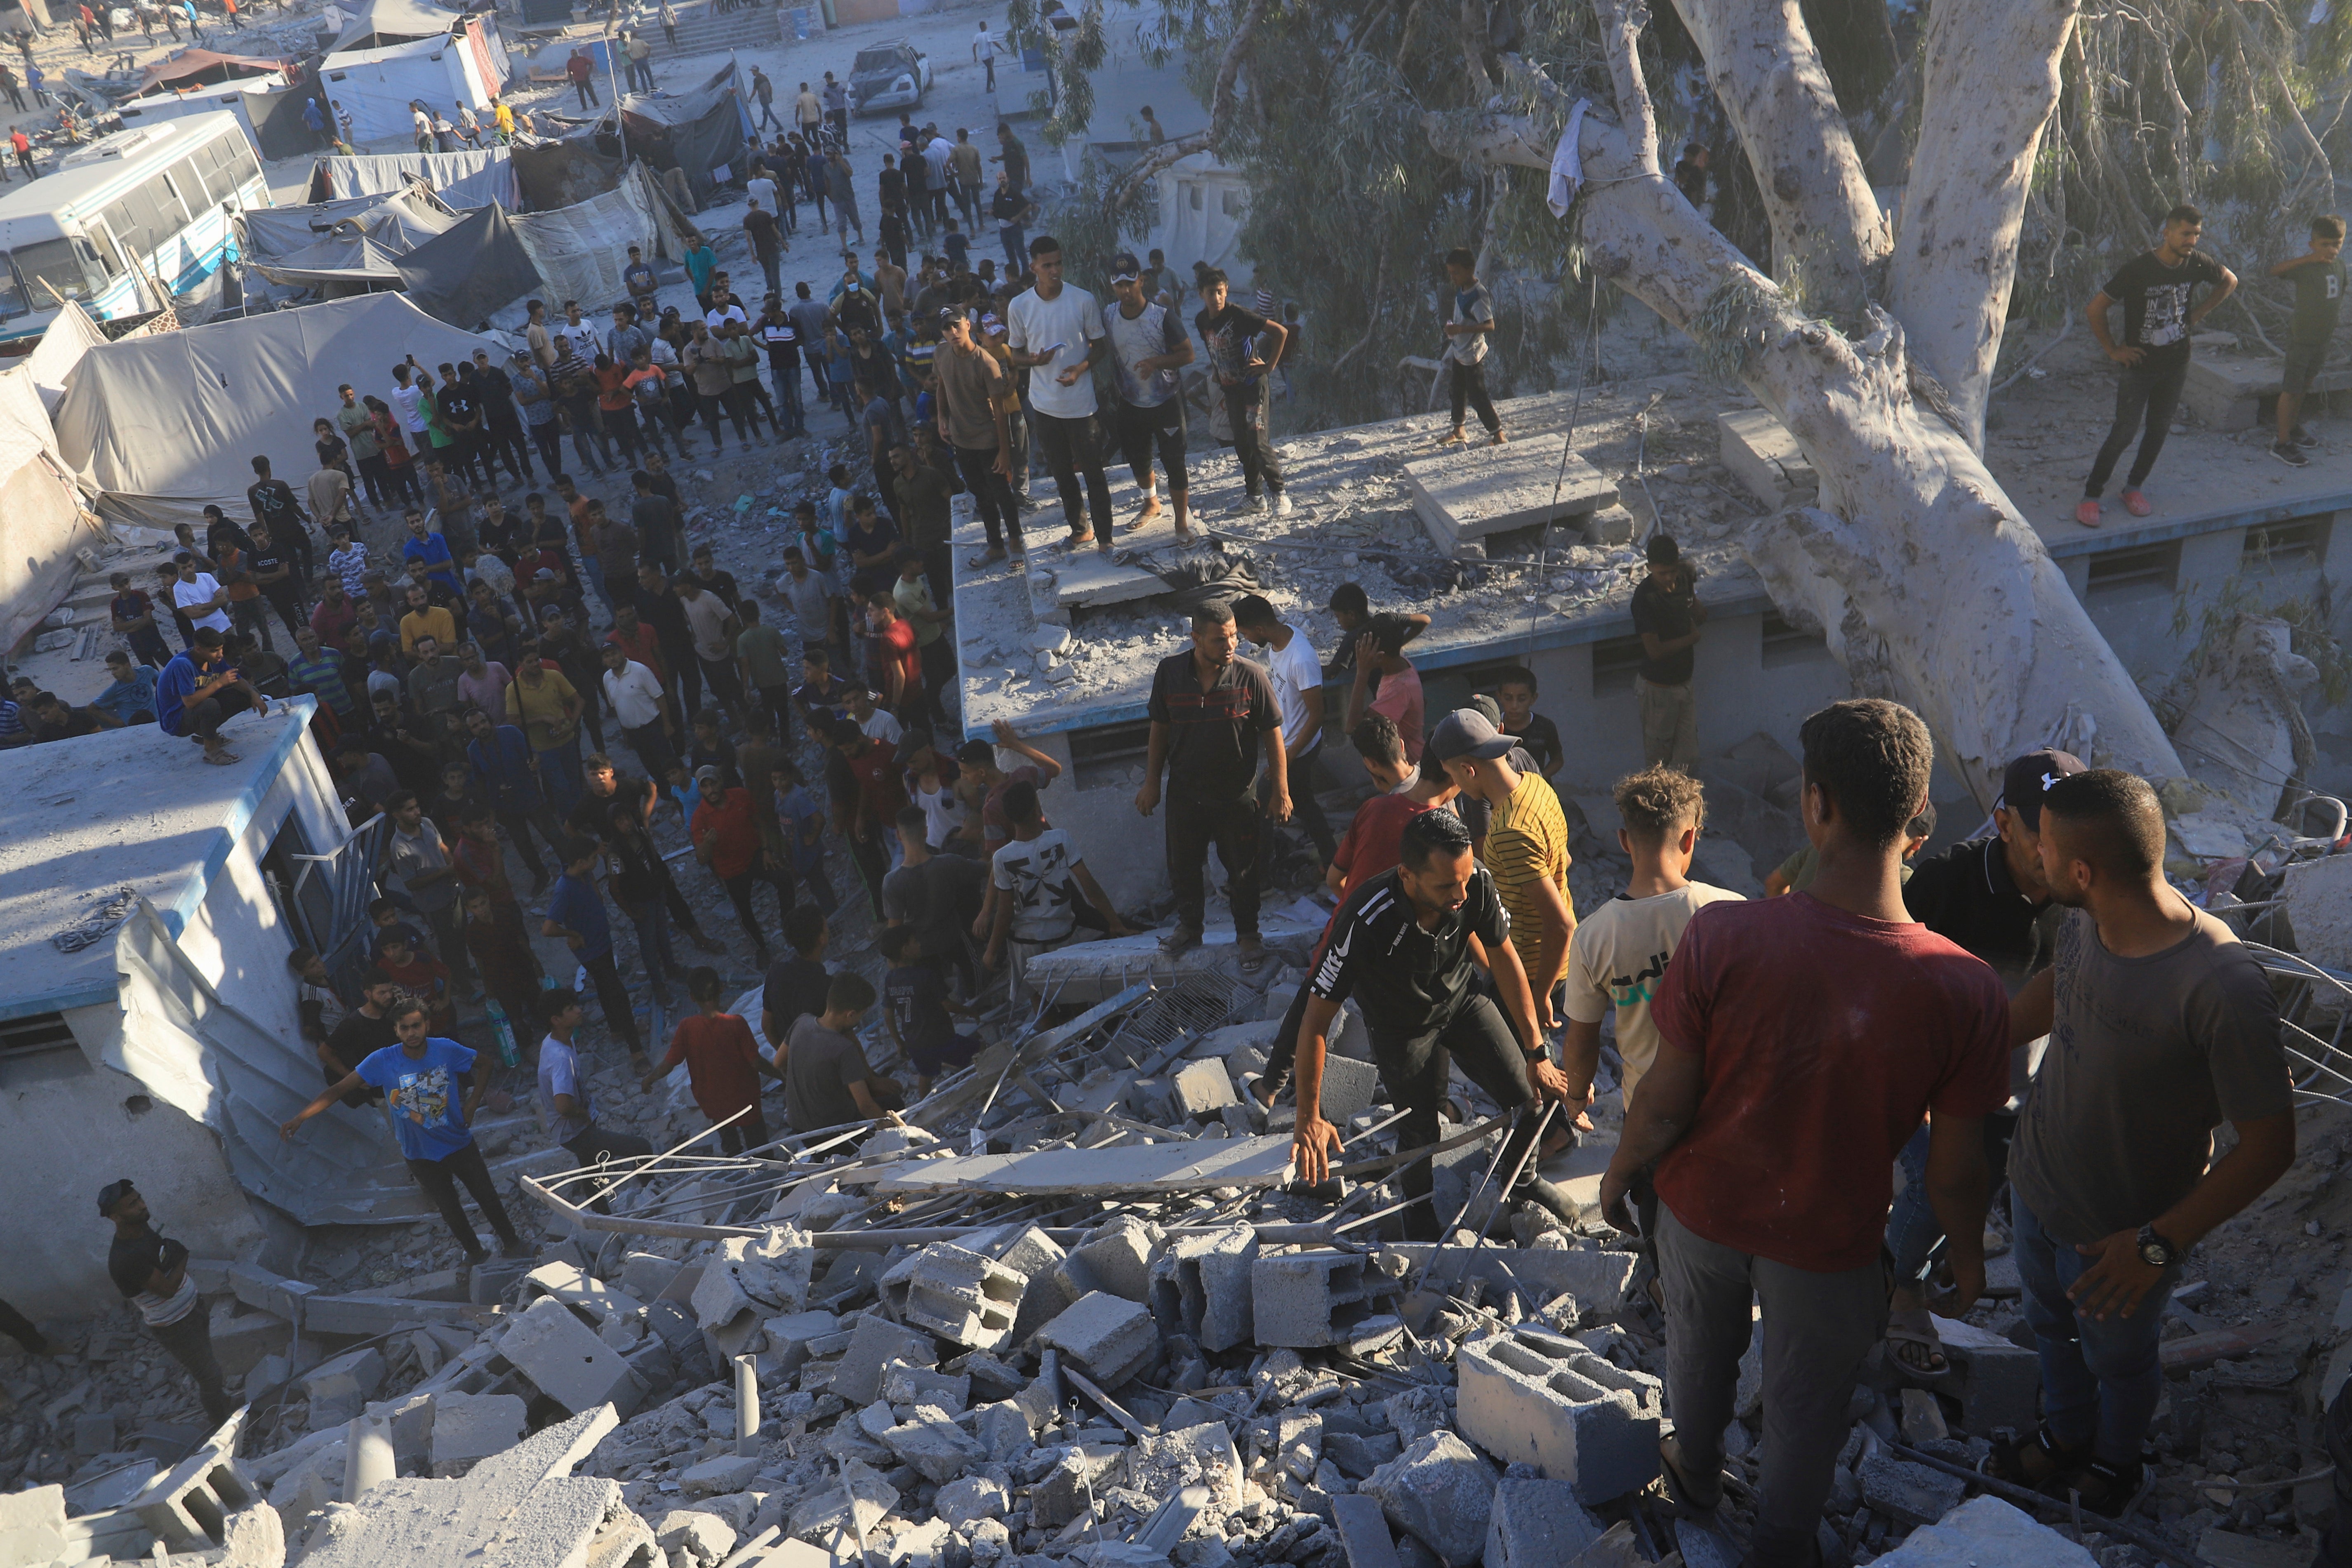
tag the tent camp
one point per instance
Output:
(268, 236)
(378, 23)
(466, 273)
(185, 68)
(694, 131)
(580, 250)
(160, 426)
(462, 180)
(376, 86)
(41, 511)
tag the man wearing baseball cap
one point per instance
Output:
(1668, 616)
(1149, 345)
(1988, 897)
(151, 1271)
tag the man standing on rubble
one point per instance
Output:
(1210, 713)
(1406, 945)
(151, 1271)
(1774, 1108)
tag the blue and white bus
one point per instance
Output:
(144, 208)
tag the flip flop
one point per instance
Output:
(221, 759)
(1914, 1326)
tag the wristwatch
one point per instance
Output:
(2154, 1250)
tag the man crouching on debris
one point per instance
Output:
(1406, 945)
(1800, 1041)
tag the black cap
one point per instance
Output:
(1124, 268)
(2029, 778)
(1661, 551)
(1464, 732)
(113, 1193)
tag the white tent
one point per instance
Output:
(580, 249)
(463, 181)
(41, 517)
(160, 426)
(375, 87)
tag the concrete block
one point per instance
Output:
(1109, 1338)
(971, 1500)
(242, 1339)
(903, 1384)
(579, 1290)
(33, 1525)
(1537, 1524)
(1549, 1402)
(959, 1295)
(1440, 1492)
(1416, 1412)
(1364, 1532)
(1595, 1276)
(750, 1280)
(2000, 1384)
(1476, 491)
(1090, 577)
(1359, 1456)
(703, 1538)
(471, 1427)
(494, 1277)
(1763, 456)
(875, 1342)
(1909, 1494)
(1201, 1286)
(339, 1389)
(1115, 1258)
(727, 1473)
(1203, 1089)
(1303, 1298)
(835, 1513)
(1350, 1087)
(937, 1448)
(1988, 1531)
(1039, 1256)
(186, 1505)
(568, 1363)
(1062, 1495)
(646, 1274)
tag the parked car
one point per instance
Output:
(888, 76)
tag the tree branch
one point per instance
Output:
(1992, 82)
(1150, 165)
(1380, 285)
(1621, 22)
(1229, 71)
(1827, 228)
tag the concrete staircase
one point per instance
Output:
(704, 30)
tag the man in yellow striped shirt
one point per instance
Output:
(1526, 850)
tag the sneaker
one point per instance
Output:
(1179, 939)
(2136, 503)
(2290, 454)
(2104, 1489)
(1252, 949)
(2302, 437)
(1248, 503)
(2033, 1458)
(1282, 503)
(2087, 514)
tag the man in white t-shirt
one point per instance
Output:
(642, 704)
(879, 723)
(199, 595)
(1057, 329)
(1296, 671)
(1149, 345)
(563, 1090)
(1041, 882)
(1621, 948)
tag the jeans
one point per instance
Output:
(1072, 451)
(1306, 812)
(992, 496)
(2145, 395)
(597, 1145)
(820, 887)
(1817, 1328)
(1469, 385)
(1016, 247)
(549, 438)
(190, 1343)
(714, 405)
(1914, 1236)
(439, 1178)
(652, 747)
(739, 894)
(2099, 1380)
(787, 380)
(1234, 826)
(594, 567)
(653, 951)
(559, 771)
(1414, 1068)
(1248, 407)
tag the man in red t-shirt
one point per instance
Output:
(1800, 1040)
(726, 834)
(898, 661)
(1368, 848)
(722, 1063)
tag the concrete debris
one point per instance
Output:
(1116, 1259)
(1442, 1493)
(957, 1294)
(1201, 1287)
(872, 1344)
(1986, 1530)
(467, 1427)
(1110, 1338)
(1537, 1524)
(568, 1363)
(749, 1281)
(1305, 1299)
(704, 1537)
(1907, 1493)
(1534, 1396)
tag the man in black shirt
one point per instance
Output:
(1666, 617)
(501, 423)
(661, 609)
(151, 1273)
(459, 403)
(1405, 945)
(797, 984)
(364, 1031)
(1987, 896)
(1211, 714)
(2153, 288)
(275, 506)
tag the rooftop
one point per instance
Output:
(128, 808)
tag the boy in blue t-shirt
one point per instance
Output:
(432, 1092)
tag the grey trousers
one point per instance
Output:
(1817, 1328)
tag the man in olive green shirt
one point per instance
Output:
(765, 656)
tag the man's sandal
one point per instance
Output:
(1915, 1327)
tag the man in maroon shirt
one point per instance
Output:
(1800, 1040)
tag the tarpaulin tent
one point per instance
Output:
(40, 507)
(399, 220)
(376, 23)
(160, 426)
(694, 131)
(580, 250)
(204, 67)
(69, 335)
(462, 180)
(375, 87)
(478, 264)
(558, 174)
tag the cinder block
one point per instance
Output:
(1537, 1524)
(1350, 1087)
(467, 1427)
(960, 1504)
(2000, 1385)
(727, 1473)
(1442, 1493)
(910, 1385)
(242, 1339)
(1164, 1463)
(1303, 1298)
(1110, 1339)
(1549, 1402)
(1909, 1494)
(1763, 455)
(957, 1294)
(1115, 1258)
(493, 1277)
(1039, 1256)
(1203, 1089)
(646, 1274)
(186, 1507)
(568, 1363)
(1201, 1286)
(577, 1288)
(750, 1281)
(339, 1389)
(873, 1343)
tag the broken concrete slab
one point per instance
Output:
(750, 1281)
(1988, 1531)
(874, 1343)
(1108, 1337)
(1364, 1532)
(1596, 1276)
(1763, 456)
(338, 1389)
(1164, 1463)
(1065, 1492)
(934, 1446)
(1115, 1257)
(1474, 492)
(1907, 1493)
(1442, 1493)
(578, 1290)
(568, 1363)
(1537, 1524)
(1306, 1299)
(1350, 1088)
(1201, 1286)
(1537, 1397)
(471, 1427)
(1245, 1162)
(705, 1539)
(726, 1473)
(1203, 1089)
(1091, 577)
(33, 1525)
(1038, 1256)
(834, 1515)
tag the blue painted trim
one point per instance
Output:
(241, 813)
(83, 993)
